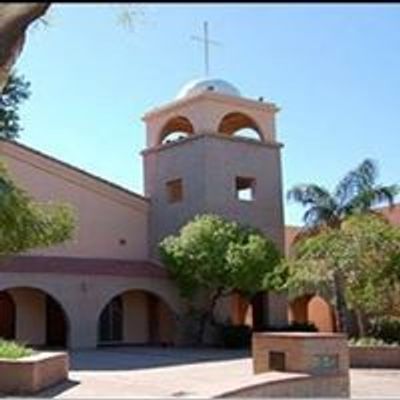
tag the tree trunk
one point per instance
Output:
(341, 304)
(360, 323)
(208, 314)
(15, 18)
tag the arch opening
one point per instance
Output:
(239, 125)
(33, 317)
(136, 317)
(313, 309)
(176, 129)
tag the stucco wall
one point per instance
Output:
(206, 111)
(105, 214)
(136, 317)
(208, 166)
(82, 298)
(30, 308)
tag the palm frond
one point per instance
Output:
(309, 194)
(356, 181)
(320, 216)
(370, 198)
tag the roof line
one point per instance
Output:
(74, 168)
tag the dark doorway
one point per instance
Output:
(56, 325)
(258, 308)
(7, 316)
(111, 321)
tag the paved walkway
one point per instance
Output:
(147, 372)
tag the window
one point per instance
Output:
(245, 188)
(175, 191)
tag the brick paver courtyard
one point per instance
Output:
(148, 372)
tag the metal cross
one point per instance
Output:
(206, 41)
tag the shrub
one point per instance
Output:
(386, 328)
(368, 341)
(13, 350)
(293, 327)
(235, 336)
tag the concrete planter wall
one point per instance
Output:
(374, 357)
(31, 374)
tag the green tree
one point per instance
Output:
(26, 224)
(355, 194)
(15, 92)
(365, 252)
(219, 257)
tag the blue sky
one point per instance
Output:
(334, 70)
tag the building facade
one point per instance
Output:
(210, 150)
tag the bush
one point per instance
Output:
(293, 327)
(13, 350)
(235, 336)
(368, 341)
(386, 329)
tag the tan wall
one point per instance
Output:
(33, 373)
(136, 317)
(206, 111)
(299, 387)
(300, 348)
(374, 357)
(105, 214)
(208, 166)
(167, 324)
(30, 327)
(84, 297)
(320, 313)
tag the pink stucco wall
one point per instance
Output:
(106, 214)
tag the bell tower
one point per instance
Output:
(212, 150)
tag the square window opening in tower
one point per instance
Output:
(174, 191)
(245, 188)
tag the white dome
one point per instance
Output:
(201, 85)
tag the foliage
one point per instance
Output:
(13, 350)
(294, 327)
(386, 329)
(321, 264)
(221, 256)
(14, 93)
(365, 251)
(235, 336)
(26, 224)
(218, 257)
(367, 341)
(356, 193)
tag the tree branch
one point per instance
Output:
(15, 18)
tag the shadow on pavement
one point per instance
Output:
(135, 358)
(57, 389)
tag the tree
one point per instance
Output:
(365, 252)
(15, 92)
(26, 224)
(220, 257)
(15, 19)
(355, 194)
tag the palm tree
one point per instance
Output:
(356, 193)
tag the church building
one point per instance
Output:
(210, 150)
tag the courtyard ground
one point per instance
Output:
(148, 372)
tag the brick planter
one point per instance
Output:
(374, 357)
(30, 374)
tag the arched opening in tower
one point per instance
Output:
(176, 129)
(313, 309)
(237, 124)
(136, 317)
(33, 317)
